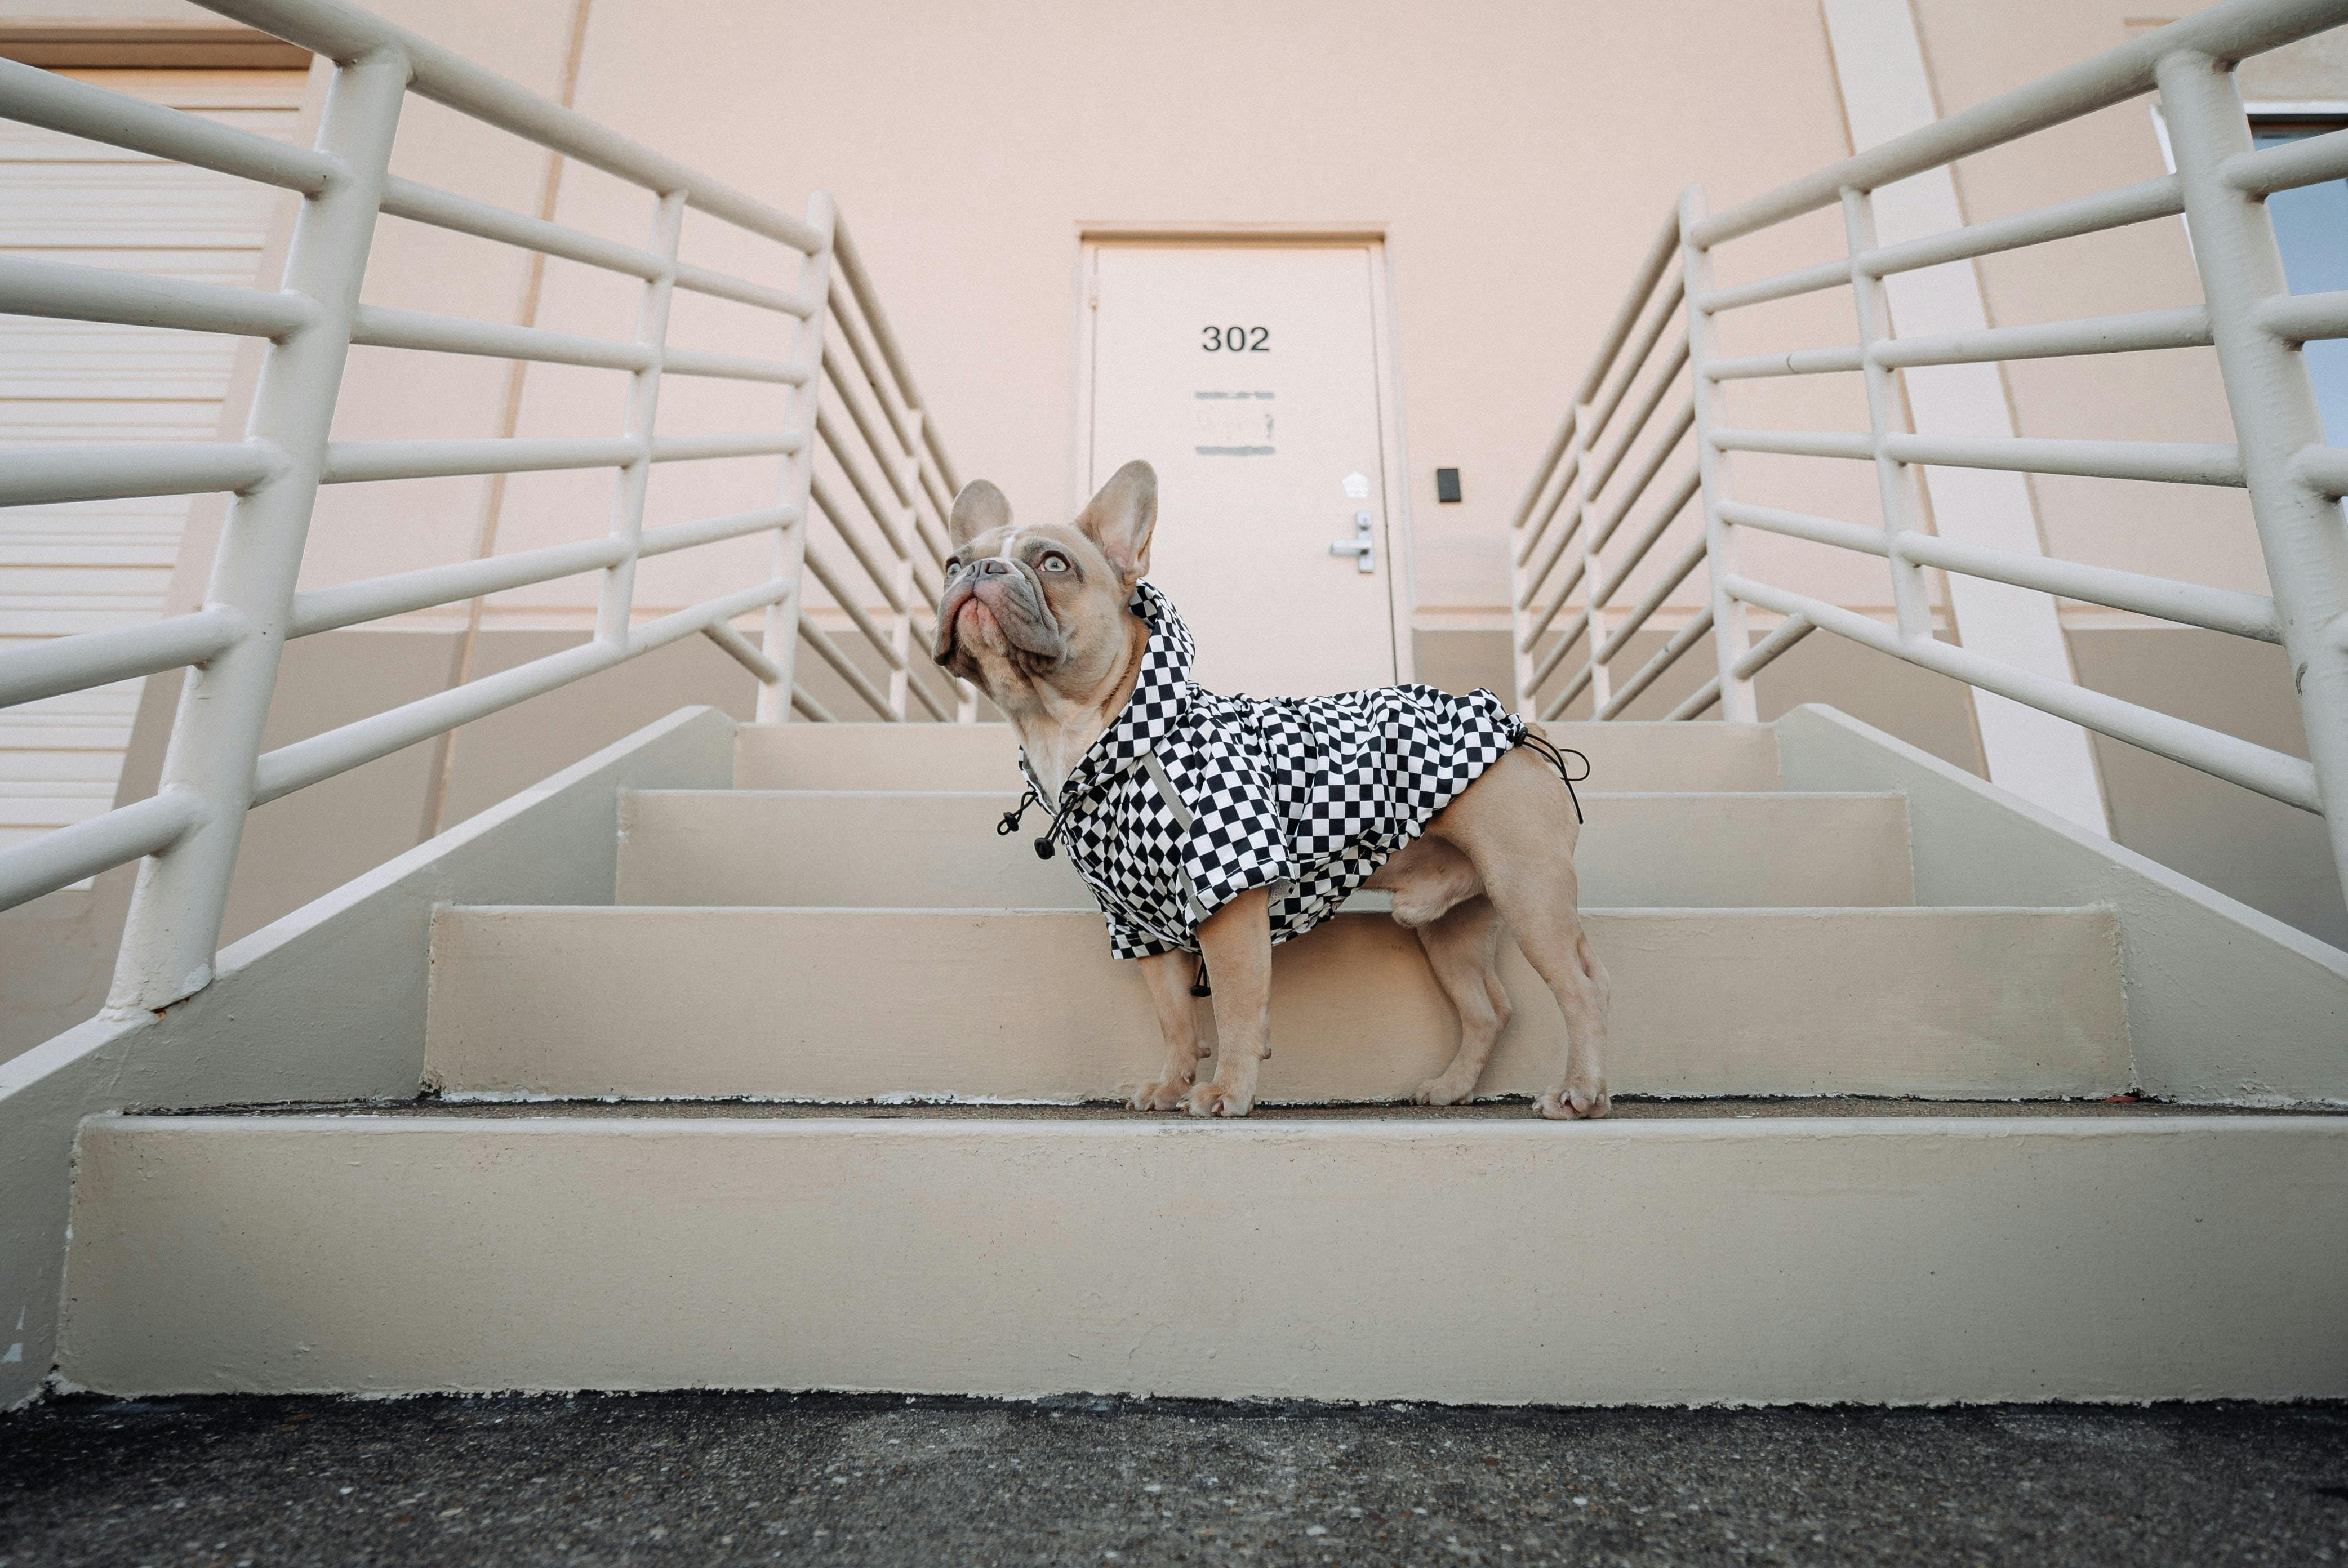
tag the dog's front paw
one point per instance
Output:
(1211, 1099)
(1442, 1091)
(1166, 1095)
(1575, 1099)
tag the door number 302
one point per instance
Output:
(1236, 340)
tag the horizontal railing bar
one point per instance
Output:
(2323, 469)
(2167, 462)
(884, 336)
(672, 536)
(34, 97)
(304, 763)
(343, 33)
(2304, 318)
(463, 215)
(2273, 773)
(2308, 160)
(1631, 493)
(2185, 327)
(1546, 469)
(729, 367)
(1666, 316)
(845, 667)
(874, 508)
(1601, 469)
(725, 286)
(1565, 639)
(1618, 638)
(60, 664)
(321, 609)
(1758, 658)
(744, 651)
(2141, 204)
(1803, 525)
(1574, 576)
(1783, 286)
(821, 495)
(811, 707)
(1798, 443)
(379, 326)
(1539, 530)
(1661, 251)
(883, 454)
(62, 290)
(868, 360)
(881, 641)
(702, 449)
(64, 856)
(1701, 697)
(1798, 361)
(1658, 524)
(2235, 613)
(1679, 642)
(2229, 30)
(1763, 653)
(361, 462)
(118, 470)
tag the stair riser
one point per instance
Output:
(848, 1005)
(1879, 1260)
(1622, 757)
(942, 851)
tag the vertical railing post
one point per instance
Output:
(2276, 416)
(616, 601)
(1911, 604)
(172, 930)
(907, 461)
(780, 642)
(1730, 642)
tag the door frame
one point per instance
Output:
(1394, 468)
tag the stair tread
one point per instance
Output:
(1512, 1109)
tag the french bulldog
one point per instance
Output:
(1043, 620)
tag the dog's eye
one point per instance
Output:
(1053, 563)
(954, 565)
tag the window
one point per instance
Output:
(2310, 226)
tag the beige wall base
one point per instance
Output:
(859, 1004)
(1876, 1260)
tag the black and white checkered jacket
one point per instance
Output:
(1190, 798)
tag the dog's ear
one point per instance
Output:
(1121, 518)
(980, 509)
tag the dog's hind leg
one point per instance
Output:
(1515, 825)
(1462, 949)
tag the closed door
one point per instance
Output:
(1248, 375)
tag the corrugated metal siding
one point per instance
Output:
(85, 567)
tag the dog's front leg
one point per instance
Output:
(1236, 941)
(1167, 976)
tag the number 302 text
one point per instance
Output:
(1236, 340)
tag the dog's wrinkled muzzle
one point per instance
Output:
(1011, 597)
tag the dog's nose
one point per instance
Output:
(994, 566)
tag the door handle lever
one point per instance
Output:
(1361, 547)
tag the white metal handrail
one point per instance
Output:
(1666, 334)
(215, 771)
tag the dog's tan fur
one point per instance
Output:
(1036, 618)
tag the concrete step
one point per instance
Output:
(942, 851)
(857, 1004)
(1622, 757)
(1662, 1259)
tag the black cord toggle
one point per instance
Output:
(1044, 848)
(1198, 987)
(1555, 758)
